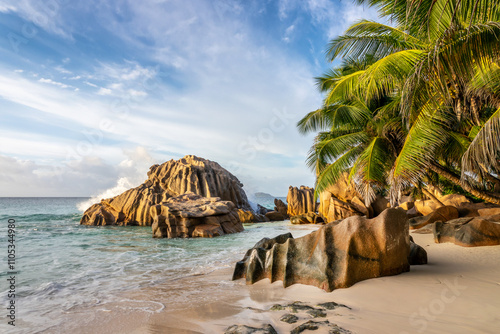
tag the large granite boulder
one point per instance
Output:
(307, 218)
(300, 200)
(170, 179)
(341, 200)
(469, 231)
(275, 216)
(428, 206)
(250, 217)
(336, 208)
(443, 213)
(334, 256)
(191, 215)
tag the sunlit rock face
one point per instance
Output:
(336, 255)
(193, 216)
(170, 179)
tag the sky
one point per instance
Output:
(92, 93)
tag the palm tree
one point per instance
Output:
(361, 137)
(439, 66)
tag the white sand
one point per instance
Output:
(457, 292)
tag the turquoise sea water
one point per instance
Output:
(63, 266)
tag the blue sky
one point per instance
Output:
(94, 92)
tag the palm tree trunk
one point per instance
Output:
(456, 180)
(432, 197)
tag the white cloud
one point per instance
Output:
(225, 88)
(104, 91)
(18, 71)
(52, 82)
(288, 33)
(137, 93)
(77, 77)
(62, 70)
(4, 8)
(45, 14)
(90, 84)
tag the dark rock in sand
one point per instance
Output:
(469, 232)
(332, 305)
(316, 313)
(334, 256)
(417, 255)
(170, 179)
(191, 215)
(315, 325)
(242, 329)
(289, 318)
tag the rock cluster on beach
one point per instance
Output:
(298, 311)
(191, 215)
(342, 200)
(455, 219)
(300, 200)
(335, 256)
(170, 179)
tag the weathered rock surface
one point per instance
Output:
(281, 207)
(341, 200)
(489, 212)
(300, 200)
(336, 208)
(327, 327)
(469, 232)
(417, 255)
(262, 210)
(443, 213)
(334, 256)
(243, 329)
(289, 318)
(275, 216)
(379, 205)
(308, 218)
(428, 206)
(247, 217)
(191, 215)
(472, 209)
(170, 179)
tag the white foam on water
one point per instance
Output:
(123, 184)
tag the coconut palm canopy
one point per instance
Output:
(412, 99)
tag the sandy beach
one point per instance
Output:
(458, 291)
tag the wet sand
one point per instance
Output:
(458, 291)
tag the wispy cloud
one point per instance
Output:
(52, 82)
(191, 77)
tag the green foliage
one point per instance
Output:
(424, 92)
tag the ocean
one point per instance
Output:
(64, 268)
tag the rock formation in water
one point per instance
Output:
(281, 207)
(191, 215)
(170, 179)
(275, 216)
(300, 201)
(248, 217)
(334, 256)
